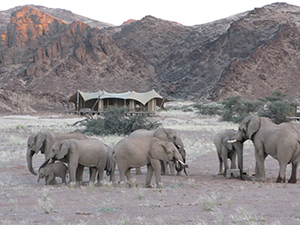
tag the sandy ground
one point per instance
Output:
(202, 197)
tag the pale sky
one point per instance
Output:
(186, 12)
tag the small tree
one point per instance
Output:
(115, 121)
(236, 109)
(278, 111)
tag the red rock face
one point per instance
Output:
(42, 54)
(129, 21)
(26, 26)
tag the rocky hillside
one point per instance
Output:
(41, 54)
(47, 54)
(249, 54)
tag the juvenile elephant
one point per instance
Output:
(136, 152)
(43, 141)
(164, 134)
(226, 150)
(90, 152)
(52, 170)
(280, 141)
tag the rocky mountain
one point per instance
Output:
(249, 54)
(47, 54)
(41, 54)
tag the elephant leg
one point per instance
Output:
(293, 178)
(53, 181)
(63, 178)
(112, 177)
(129, 177)
(164, 169)
(79, 173)
(239, 150)
(281, 175)
(93, 172)
(233, 160)
(149, 175)
(73, 166)
(220, 165)
(122, 171)
(50, 178)
(157, 168)
(172, 168)
(260, 173)
(100, 174)
(138, 171)
(225, 161)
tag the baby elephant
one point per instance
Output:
(52, 170)
(225, 150)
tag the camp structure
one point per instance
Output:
(134, 102)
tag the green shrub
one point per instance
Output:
(276, 107)
(275, 96)
(278, 111)
(115, 121)
(236, 109)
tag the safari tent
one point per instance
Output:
(135, 102)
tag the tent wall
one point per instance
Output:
(135, 102)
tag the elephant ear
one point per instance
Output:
(253, 126)
(226, 144)
(40, 142)
(161, 134)
(159, 151)
(63, 149)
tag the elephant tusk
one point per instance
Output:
(232, 141)
(50, 161)
(182, 163)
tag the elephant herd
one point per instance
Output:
(160, 148)
(156, 149)
(281, 141)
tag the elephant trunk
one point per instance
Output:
(178, 167)
(46, 162)
(29, 156)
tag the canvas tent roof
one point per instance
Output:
(141, 97)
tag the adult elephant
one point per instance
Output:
(280, 141)
(164, 134)
(136, 152)
(43, 141)
(89, 152)
(228, 150)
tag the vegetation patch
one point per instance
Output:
(116, 122)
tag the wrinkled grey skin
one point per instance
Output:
(226, 150)
(280, 141)
(136, 152)
(89, 152)
(50, 171)
(164, 134)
